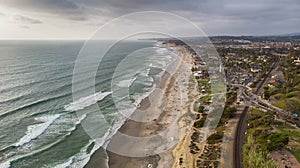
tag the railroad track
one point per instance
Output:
(242, 124)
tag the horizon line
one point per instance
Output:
(85, 39)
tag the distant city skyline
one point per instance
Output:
(78, 19)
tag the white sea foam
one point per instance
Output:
(65, 164)
(126, 83)
(161, 50)
(82, 158)
(44, 118)
(5, 164)
(86, 101)
(120, 119)
(146, 72)
(140, 97)
(33, 131)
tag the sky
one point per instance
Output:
(79, 19)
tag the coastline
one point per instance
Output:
(172, 88)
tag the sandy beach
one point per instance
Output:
(171, 101)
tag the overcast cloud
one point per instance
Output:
(25, 20)
(215, 17)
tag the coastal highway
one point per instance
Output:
(242, 124)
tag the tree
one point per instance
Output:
(200, 109)
(277, 140)
(255, 158)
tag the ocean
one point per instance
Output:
(39, 121)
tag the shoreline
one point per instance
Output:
(170, 87)
(138, 129)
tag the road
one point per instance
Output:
(264, 104)
(242, 124)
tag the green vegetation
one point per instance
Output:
(294, 134)
(215, 138)
(262, 138)
(277, 140)
(253, 157)
(296, 152)
(205, 100)
(229, 109)
(267, 92)
(229, 112)
(287, 95)
(259, 119)
(200, 109)
(260, 128)
(200, 123)
(204, 83)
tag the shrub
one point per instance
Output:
(200, 123)
(200, 109)
(215, 138)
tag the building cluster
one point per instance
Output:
(247, 44)
(241, 68)
(267, 45)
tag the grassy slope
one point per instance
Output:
(294, 134)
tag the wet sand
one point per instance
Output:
(170, 87)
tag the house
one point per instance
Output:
(255, 70)
(197, 74)
(297, 61)
(206, 109)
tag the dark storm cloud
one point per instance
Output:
(25, 20)
(57, 7)
(42, 5)
(113, 7)
(230, 8)
(225, 14)
(260, 17)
